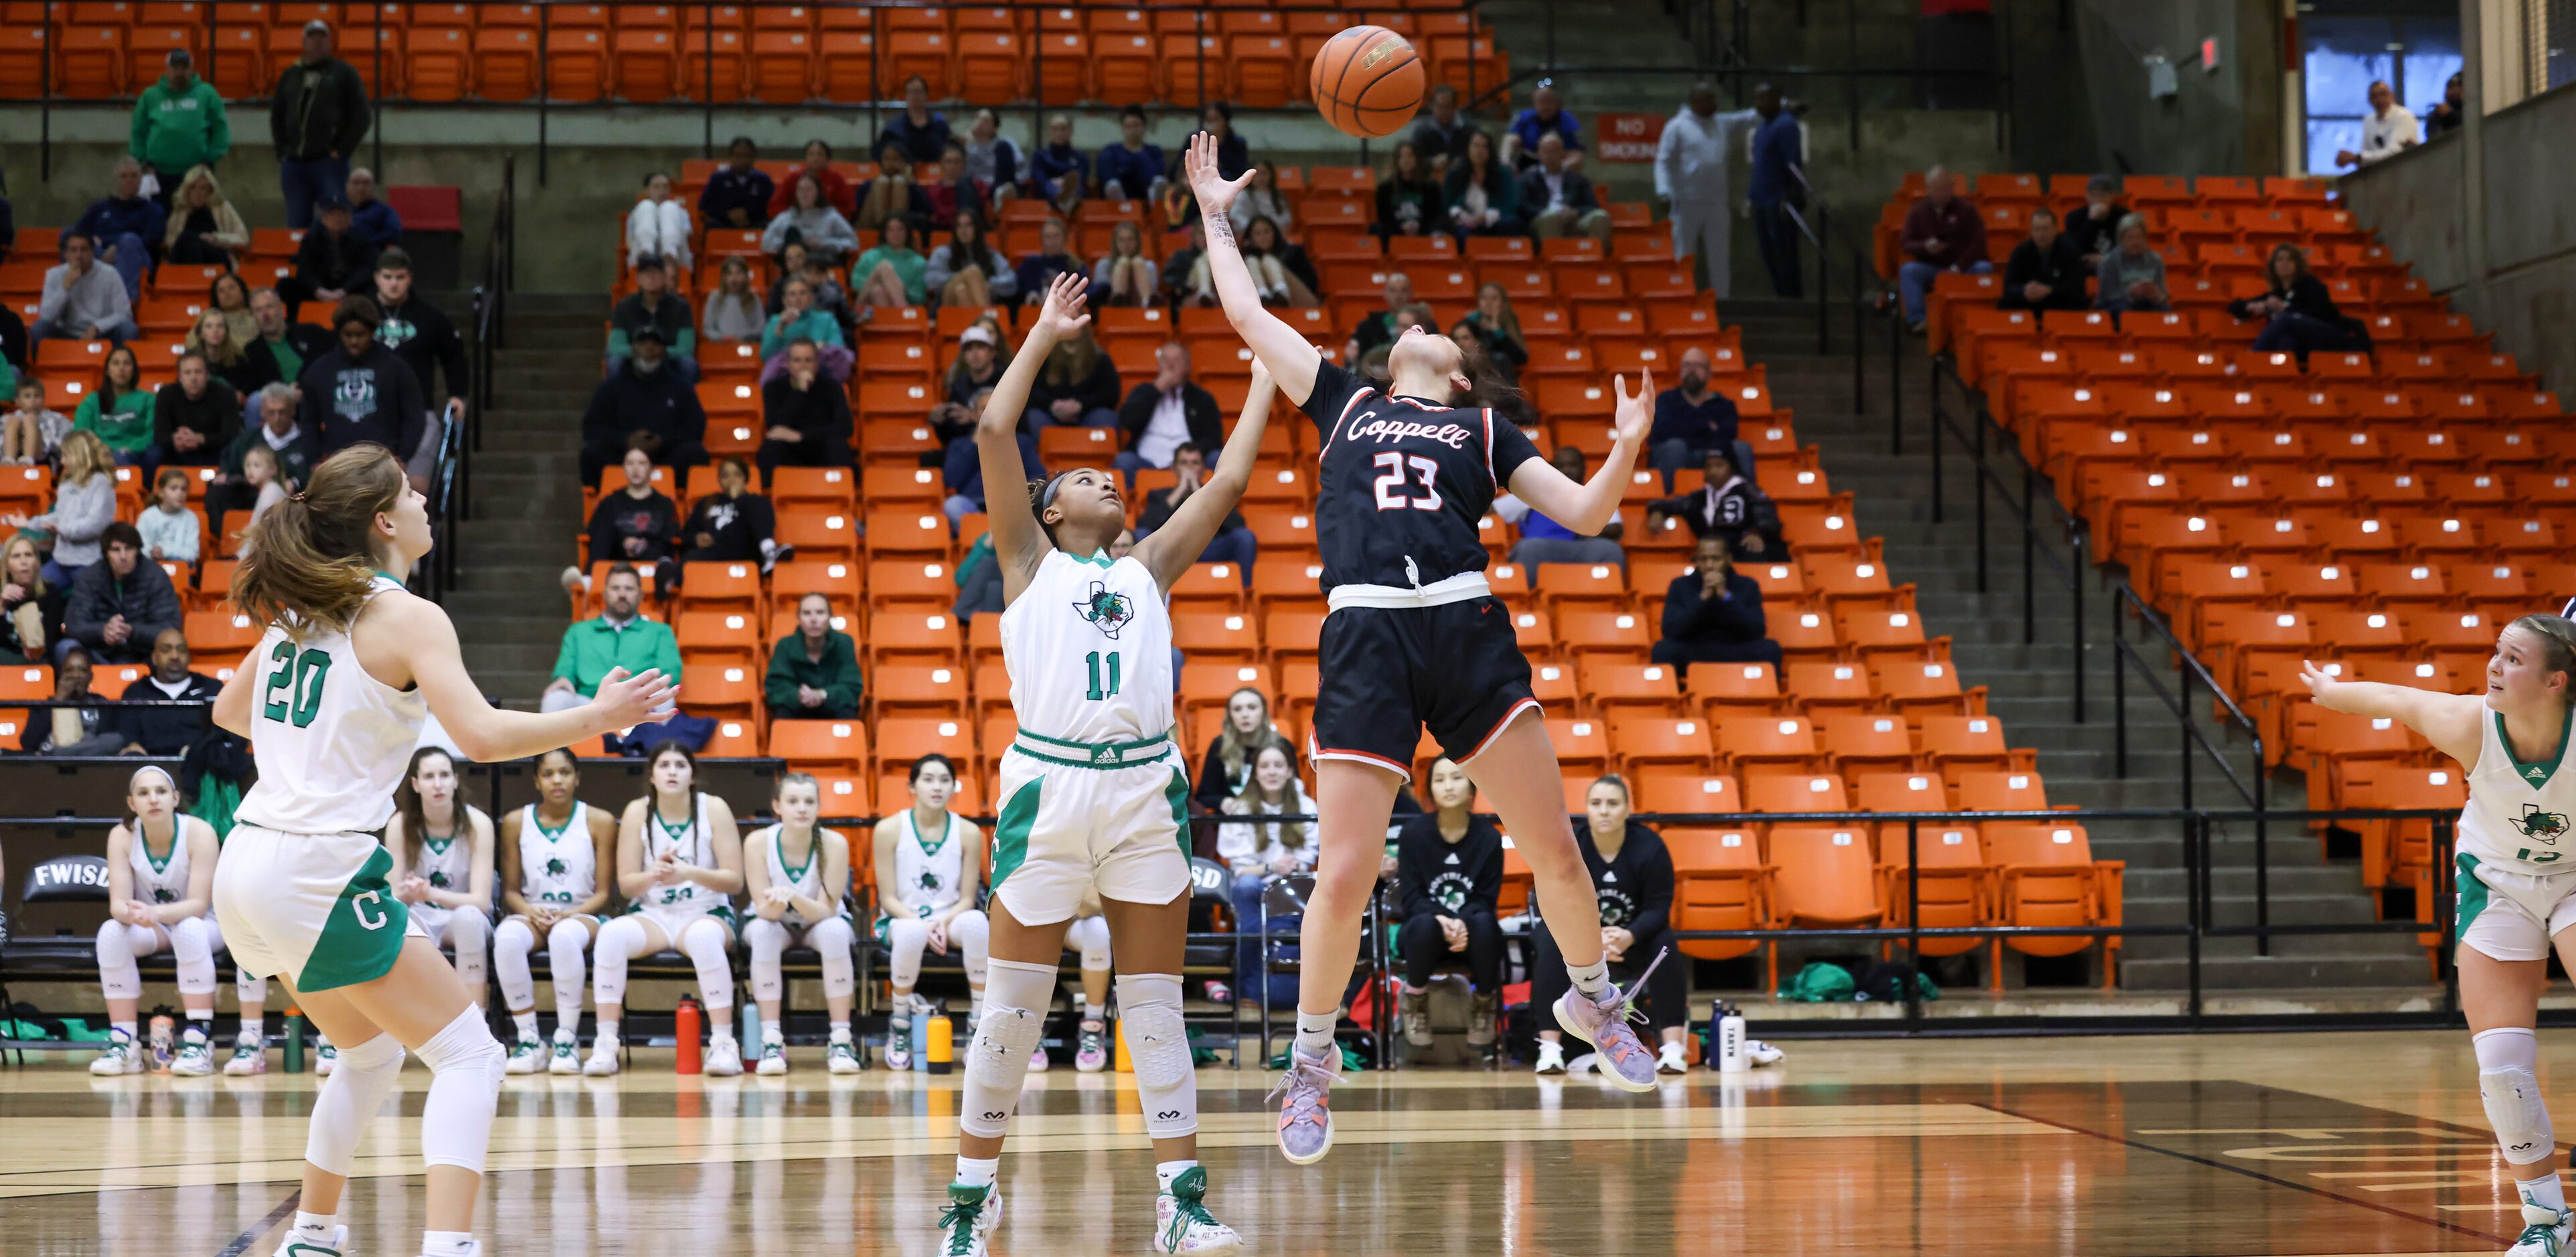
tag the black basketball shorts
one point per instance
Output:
(1387, 673)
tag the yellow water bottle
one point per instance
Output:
(938, 1049)
(1124, 1063)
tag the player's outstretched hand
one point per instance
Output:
(1064, 313)
(2322, 686)
(1215, 192)
(1632, 417)
(625, 701)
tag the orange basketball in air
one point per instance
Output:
(1368, 82)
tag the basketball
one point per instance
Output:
(1368, 82)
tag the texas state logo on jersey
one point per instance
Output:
(2535, 823)
(1106, 609)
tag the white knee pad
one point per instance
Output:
(470, 933)
(349, 1099)
(703, 942)
(1149, 1017)
(466, 1065)
(834, 940)
(565, 964)
(511, 944)
(971, 935)
(118, 977)
(619, 940)
(997, 1062)
(2511, 1093)
(767, 941)
(193, 947)
(905, 939)
(1090, 936)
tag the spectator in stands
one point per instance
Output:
(2046, 271)
(73, 723)
(1130, 169)
(2452, 113)
(796, 320)
(229, 295)
(1126, 277)
(2299, 312)
(1942, 233)
(837, 192)
(645, 405)
(283, 347)
(1058, 172)
(966, 272)
(810, 219)
(1691, 418)
(923, 134)
(1280, 268)
(169, 732)
(1262, 199)
(1410, 200)
(618, 638)
(316, 116)
(1481, 198)
(1233, 156)
(2096, 230)
(2388, 130)
(263, 478)
(179, 123)
(1559, 198)
(634, 523)
(1727, 505)
(31, 607)
(1037, 271)
(1778, 185)
(290, 448)
(362, 391)
(422, 336)
(992, 158)
(891, 274)
(791, 265)
(953, 193)
(124, 227)
(1439, 135)
(896, 192)
(84, 505)
(1186, 281)
(32, 432)
(739, 193)
(659, 228)
(1256, 851)
(1078, 386)
(370, 215)
(962, 471)
(1226, 768)
(83, 300)
(733, 524)
(1713, 613)
(733, 310)
(2132, 276)
(1544, 540)
(1448, 883)
(978, 367)
(193, 418)
(119, 410)
(1382, 329)
(202, 229)
(814, 674)
(212, 339)
(332, 261)
(1496, 328)
(1233, 542)
(805, 417)
(1545, 116)
(654, 305)
(120, 604)
(1632, 872)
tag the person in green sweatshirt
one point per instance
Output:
(814, 675)
(119, 410)
(179, 124)
(619, 637)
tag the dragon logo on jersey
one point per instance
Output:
(2544, 826)
(438, 879)
(930, 881)
(163, 896)
(1107, 611)
(556, 867)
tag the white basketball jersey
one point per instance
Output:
(690, 842)
(163, 880)
(557, 866)
(330, 741)
(448, 863)
(931, 871)
(805, 879)
(2519, 814)
(1089, 648)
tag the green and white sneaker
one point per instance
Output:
(773, 1059)
(196, 1058)
(2544, 1232)
(293, 1247)
(325, 1059)
(972, 1214)
(118, 1057)
(565, 1056)
(842, 1057)
(527, 1056)
(1182, 1223)
(250, 1055)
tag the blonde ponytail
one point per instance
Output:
(309, 562)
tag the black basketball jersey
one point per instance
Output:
(1403, 482)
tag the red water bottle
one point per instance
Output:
(689, 1058)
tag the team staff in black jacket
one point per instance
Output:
(1448, 877)
(1633, 874)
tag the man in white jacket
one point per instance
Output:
(1691, 178)
(658, 226)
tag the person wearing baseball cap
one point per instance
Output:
(331, 262)
(316, 117)
(645, 403)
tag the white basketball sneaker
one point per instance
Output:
(1182, 1223)
(117, 1057)
(842, 1056)
(724, 1059)
(196, 1057)
(1551, 1057)
(2544, 1233)
(527, 1056)
(1670, 1060)
(293, 1247)
(250, 1055)
(565, 1056)
(773, 1058)
(972, 1215)
(603, 1059)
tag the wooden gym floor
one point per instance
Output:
(2105, 1147)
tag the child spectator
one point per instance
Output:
(965, 271)
(1448, 881)
(119, 410)
(891, 274)
(84, 505)
(31, 607)
(32, 432)
(1126, 277)
(733, 310)
(260, 471)
(1713, 613)
(168, 527)
(658, 227)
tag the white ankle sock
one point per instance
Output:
(840, 1032)
(1166, 1171)
(606, 1039)
(723, 1033)
(527, 1023)
(1315, 1033)
(974, 1173)
(125, 1028)
(769, 1033)
(446, 1243)
(1592, 980)
(314, 1227)
(2544, 1191)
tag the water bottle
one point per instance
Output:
(920, 1038)
(690, 1057)
(939, 1046)
(750, 1030)
(294, 1039)
(163, 1042)
(1730, 1041)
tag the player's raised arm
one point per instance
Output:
(1588, 507)
(2448, 721)
(1280, 347)
(1180, 541)
(1018, 543)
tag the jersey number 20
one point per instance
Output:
(295, 688)
(1390, 485)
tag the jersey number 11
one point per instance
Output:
(1095, 693)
